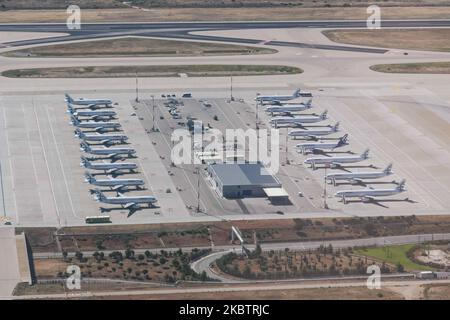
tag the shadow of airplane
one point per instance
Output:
(379, 202)
(329, 153)
(112, 159)
(366, 183)
(346, 168)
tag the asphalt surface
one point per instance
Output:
(182, 30)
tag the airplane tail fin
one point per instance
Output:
(336, 127)
(308, 103)
(89, 177)
(84, 146)
(70, 108)
(99, 195)
(323, 116)
(401, 185)
(297, 93)
(343, 139)
(74, 120)
(388, 169)
(79, 133)
(84, 161)
(68, 98)
(365, 154)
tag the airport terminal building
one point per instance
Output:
(241, 180)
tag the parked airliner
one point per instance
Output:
(316, 146)
(297, 121)
(359, 177)
(367, 195)
(313, 134)
(110, 152)
(114, 184)
(107, 167)
(131, 202)
(336, 161)
(82, 101)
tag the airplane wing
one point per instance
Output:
(358, 180)
(335, 164)
(118, 187)
(131, 205)
(112, 170)
(107, 142)
(367, 198)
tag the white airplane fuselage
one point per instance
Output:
(96, 125)
(319, 146)
(128, 200)
(287, 108)
(107, 151)
(328, 160)
(367, 193)
(116, 182)
(110, 166)
(103, 137)
(356, 175)
(98, 113)
(295, 120)
(308, 133)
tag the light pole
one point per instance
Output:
(153, 112)
(256, 109)
(325, 205)
(287, 160)
(137, 88)
(198, 189)
(231, 88)
(3, 192)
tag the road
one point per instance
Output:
(182, 30)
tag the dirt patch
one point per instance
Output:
(345, 293)
(408, 39)
(437, 291)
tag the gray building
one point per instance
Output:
(240, 180)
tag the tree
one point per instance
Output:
(129, 254)
(247, 273)
(400, 267)
(79, 255)
(64, 254)
(203, 276)
(258, 251)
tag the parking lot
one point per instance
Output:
(43, 183)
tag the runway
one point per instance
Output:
(183, 30)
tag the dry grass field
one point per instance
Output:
(223, 14)
(422, 67)
(152, 71)
(408, 39)
(55, 4)
(135, 46)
